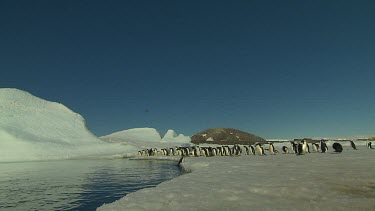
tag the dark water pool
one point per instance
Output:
(77, 184)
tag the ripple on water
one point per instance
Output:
(77, 184)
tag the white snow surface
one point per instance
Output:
(172, 136)
(35, 129)
(315, 181)
(134, 134)
(147, 138)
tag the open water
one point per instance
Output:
(77, 184)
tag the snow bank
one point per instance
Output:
(35, 129)
(147, 138)
(315, 181)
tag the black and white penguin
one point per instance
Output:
(164, 152)
(299, 149)
(219, 151)
(315, 147)
(285, 150)
(272, 149)
(308, 147)
(252, 150)
(227, 150)
(234, 150)
(259, 150)
(369, 145)
(353, 145)
(337, 147)
(323, 146)
(305, 147)
(196, 152)
(214, 151)
(294, 146)
(247, 150)
(181, 160)
(239, 150)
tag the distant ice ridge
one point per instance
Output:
(147, 137)
(172, 136)
(35, 129)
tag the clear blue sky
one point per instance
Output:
(278, 69)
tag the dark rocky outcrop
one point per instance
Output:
(225, 136)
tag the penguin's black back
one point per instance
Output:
(299, 149)
(323, 147)
(337, 147)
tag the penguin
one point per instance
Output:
(226, 150)
(305, 147)
(315, 147)
(219, 151)
(323, 146)
(353, 145)
(272, 149)
(308, 147)
(206, 151)
(259, 149)
(238, 150)
(337, 147)
(149, 152)
(213, 151)
(294, 147)
(247, 150)
(181, 160)
(299, 149)
(252, 150)
(233, 150)
(369, 145)
(196, 152)
(154, 152)
(285, 150)
(178, 152)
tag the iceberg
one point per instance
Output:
(35, 129)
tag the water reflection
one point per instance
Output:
(77, 184)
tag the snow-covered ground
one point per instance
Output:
(147, 138)
(315, 181)
(35, 129)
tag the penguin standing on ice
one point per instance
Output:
(323, 146)
(299, 149)
(285, 150)
(353, 145)
(196, 152)
(369, 145)
(315, 147)
(272, 149)
(252, 150)
(337, 147)
(294, 146)
(305, 147)
(259, 149)
(247, 150)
